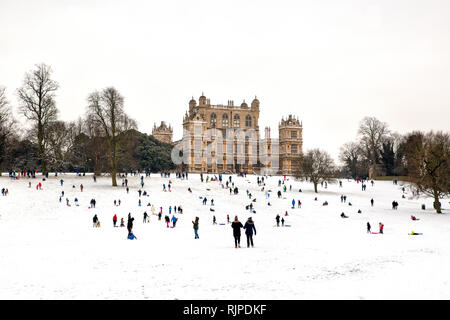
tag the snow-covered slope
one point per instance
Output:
(51, 251)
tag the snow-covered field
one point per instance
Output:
(51, 251)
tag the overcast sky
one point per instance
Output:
(330, 63)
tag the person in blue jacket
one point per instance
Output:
(249, 229)
(131, 236)
(174, 221)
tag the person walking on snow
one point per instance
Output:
(95, 220)
(278, 220)
(167, 220)
(115, 220)
(195, 226)
(174, 221)
(368, 227)
(145, 217)
(249, 229)
(237, 225)
(130, 223)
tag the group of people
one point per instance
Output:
(5, 191)
(236, 225)
(277, 219)
(394, 205)
(23, 173)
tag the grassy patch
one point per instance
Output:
(390, 178)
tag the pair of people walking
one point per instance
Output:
(249, 227)
(236, 225)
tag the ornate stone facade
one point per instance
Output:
(163, 133)
(225, 138)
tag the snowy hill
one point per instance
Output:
(52, 251)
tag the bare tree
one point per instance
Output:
(37, 103)
(350, 155)
(317, 166)
(372, 132)
(106, 109)
(7, 124)
(57, 142)
(428, 162)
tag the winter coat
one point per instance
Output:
(236, 225)
(195, 224)
(250, 228)
(130, 223)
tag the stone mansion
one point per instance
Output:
(225, 138)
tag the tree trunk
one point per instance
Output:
(41, 149)
(114, 163)
(437, 205)
(315, 187)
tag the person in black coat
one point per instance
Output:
(249, 229)
(95, 220)
(278, 220)
(145, 217)
(130, 224)
(237, 225)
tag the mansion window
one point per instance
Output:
(248, 121)
(293, 134)
(294, 149)
(213, 118)
(225, 120)
(237, 121)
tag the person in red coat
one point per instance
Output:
(381, 227)
(115, 220)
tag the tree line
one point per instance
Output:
(104, 139)
(421, 158)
